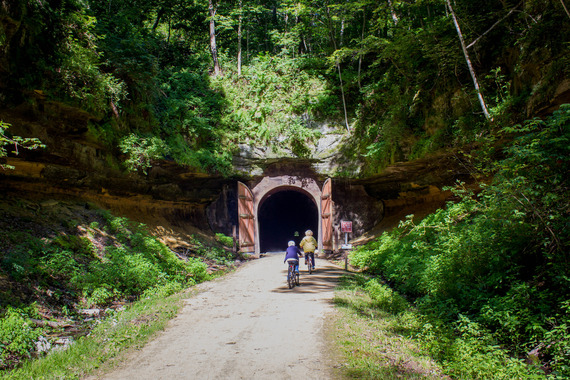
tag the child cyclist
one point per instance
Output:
(309, 245)
(292, 254)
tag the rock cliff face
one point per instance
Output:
(73, 166)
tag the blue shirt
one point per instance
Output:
(292, 253)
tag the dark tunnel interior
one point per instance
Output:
(281, 215)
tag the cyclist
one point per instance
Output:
(292, 254)
(309, 244)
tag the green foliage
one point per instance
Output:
(141, 151)
(139, 262)
(499, 256)
(190, 118)
(385, 298)
(163, 291)
(127, 266)
(144, 69)
(82, 264)
(17, 141)
(81, 77)
(114, 335)
(212, 252)
(227, 241)
(474, 354)
(272, 102)
(17, 337)
(559, 338)
(374, 337)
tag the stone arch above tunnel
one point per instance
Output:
(272, 185)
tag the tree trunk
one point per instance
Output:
(213, 46)
(471, 70)
(341, 41)
(343, 97)
(333, 41)
(393, 12)
(239, 38)
(564, 6)
(158, 17)
(361, 45)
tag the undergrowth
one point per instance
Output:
(60, 259)
(374, 333)
(109, 340)
(489, 272)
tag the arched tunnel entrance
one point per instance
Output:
(276, 207)
(283, 213)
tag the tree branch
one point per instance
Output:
(494, 25)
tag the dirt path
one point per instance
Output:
(247, 325)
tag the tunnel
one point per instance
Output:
(283, 213)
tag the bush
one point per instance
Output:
(162, 291)
(17, 337)
(99, 296)
(219, 255)
(385, 298)
(141, 151)
(227, 241)
(122, 266)
(500, 256)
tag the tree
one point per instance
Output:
(471, 70)
(240, 19)
(213, 47)
(337, 63)
(393, 12)
(565, 9)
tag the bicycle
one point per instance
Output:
(309, 262)
(292, 274)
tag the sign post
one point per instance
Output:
(346, 227)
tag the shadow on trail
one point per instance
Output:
(322, 279)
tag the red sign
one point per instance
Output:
(345, 226)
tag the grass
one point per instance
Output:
(104, 347)
(372, 339)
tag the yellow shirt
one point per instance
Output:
(309, 244)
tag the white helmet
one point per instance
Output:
(309, 233)
(291, 243)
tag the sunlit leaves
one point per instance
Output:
(141, 151)
(501, 255)
(271, 104)
(16, 142)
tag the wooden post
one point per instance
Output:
(234, 236)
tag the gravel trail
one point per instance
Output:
(246, 325)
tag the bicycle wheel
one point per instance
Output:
(297, 278)
(290, 278)
(310, 264)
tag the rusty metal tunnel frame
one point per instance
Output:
(250, 201)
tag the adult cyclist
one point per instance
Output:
(309, 244)
(292, 254)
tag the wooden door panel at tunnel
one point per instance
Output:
(326, 216)
(246, 219)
